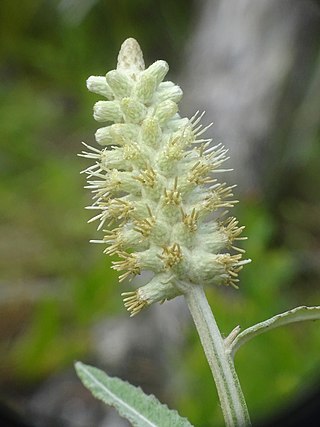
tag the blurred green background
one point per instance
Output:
(54, 285)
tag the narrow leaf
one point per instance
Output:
(295, 315)
(140, 409)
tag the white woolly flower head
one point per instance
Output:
(154, 185)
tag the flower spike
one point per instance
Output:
(155, 185)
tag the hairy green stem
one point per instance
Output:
(232, 401)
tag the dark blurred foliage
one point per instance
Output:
(54, 285)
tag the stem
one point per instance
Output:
(232, 401)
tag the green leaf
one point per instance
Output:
(130, 401)
(235, 340)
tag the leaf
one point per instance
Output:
(140, 409)
(236, 340)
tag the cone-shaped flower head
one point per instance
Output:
(159, 203)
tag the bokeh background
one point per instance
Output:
(255, 68)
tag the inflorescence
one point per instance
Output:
(154, 185)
